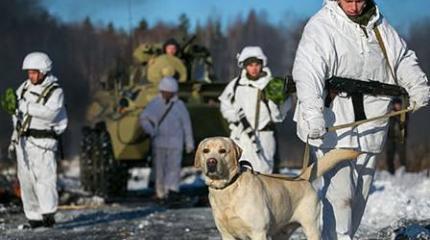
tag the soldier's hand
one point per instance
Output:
(189, 149)
(418, 101)
(317, 128)
(413, 106)
(11, 151)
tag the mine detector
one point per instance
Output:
(113, 140)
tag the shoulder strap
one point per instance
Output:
(165, 113)
(405, 100)
(236, 84)
(257, 109)
(43, 96)
(266, 103)
(49, 92)
(384, 51)
(23, 90)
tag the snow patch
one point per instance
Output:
(395, 199)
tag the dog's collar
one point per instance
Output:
(243, 167)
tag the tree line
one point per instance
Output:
(84, 53)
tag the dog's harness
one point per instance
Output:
(245, 166)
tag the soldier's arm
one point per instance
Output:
(147, 123)
(187, 126)
(50, 110)
(407, 70)
(228, 110)
(310, 70)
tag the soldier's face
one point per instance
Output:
(35, 76)
(253, 69)
(171, 50)
(167, 95)
(352, 8)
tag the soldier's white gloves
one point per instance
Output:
(239, 114)
(189, 149)
(11, 150)
(414, 106)
(317, 128)
(418, 101)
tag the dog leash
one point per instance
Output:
(306, 154)
(357, 123)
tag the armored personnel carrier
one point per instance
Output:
(113, 140)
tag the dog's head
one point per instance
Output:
(218, 158)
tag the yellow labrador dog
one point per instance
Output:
(248, 205)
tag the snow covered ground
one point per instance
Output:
(395, 201)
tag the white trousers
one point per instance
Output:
(167, 170)
(37, 174)
(344, 191)
(262, 161)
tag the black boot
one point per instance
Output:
(174, 199)
(32, 224)
(48, 220)
(35, 223)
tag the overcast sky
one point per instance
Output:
(122, 13)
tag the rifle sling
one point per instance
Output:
(257, 110)
(165, 114)
(384, 51)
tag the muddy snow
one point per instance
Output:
(395, 202)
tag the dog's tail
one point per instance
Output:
(327, 162)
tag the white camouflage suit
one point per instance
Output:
(333, 45)
(245, 97)
(36, 157)
(168, 140)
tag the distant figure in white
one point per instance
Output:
(351, 39)
(39, 120)
(166, 120)
(250, 114)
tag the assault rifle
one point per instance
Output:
(353, 86)
(356, 89)
(246, 127)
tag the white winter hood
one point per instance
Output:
(337, 11)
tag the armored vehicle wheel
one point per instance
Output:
(112, 176)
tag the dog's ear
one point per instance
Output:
(198, 156)
(237, 151)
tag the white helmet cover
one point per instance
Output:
(168, 84)
(251, 51)
(38, 61)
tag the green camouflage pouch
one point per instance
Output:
(8, 101)
(275, 90)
